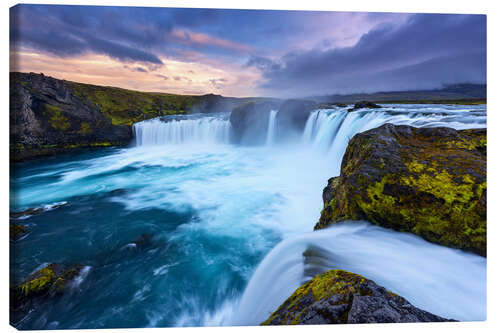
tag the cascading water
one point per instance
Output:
(230, 224)
(271, 128)
(427, 275)
(183, 129)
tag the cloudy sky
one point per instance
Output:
(248, 52)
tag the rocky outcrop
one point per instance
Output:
(46, 116)
(427, 181)
(293, 114)
(364, 105)
(35, 211)
(17, 231)
(250, 121)
(341, 297)
(44, 284)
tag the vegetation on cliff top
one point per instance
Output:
(125, 107)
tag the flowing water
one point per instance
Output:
(229, 225)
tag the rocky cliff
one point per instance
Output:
(428, 181)
(341, 297)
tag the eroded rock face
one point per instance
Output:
(293, 114)
(250, 121)
(341, 297)
(428, 181)
(47, 117)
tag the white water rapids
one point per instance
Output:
(444, 281)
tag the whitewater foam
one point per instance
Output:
(444, 281)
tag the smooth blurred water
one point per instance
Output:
(215, 210)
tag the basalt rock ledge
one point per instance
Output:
(427, 181)
(341, 297)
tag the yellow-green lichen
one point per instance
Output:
(125, 107)
(56, 118)
(435, 187)
(336, 282)
(39, 281)
(85, 128)
(17, 230)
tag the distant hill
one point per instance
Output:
(456, 92)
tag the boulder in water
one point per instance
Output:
(143, 241)
(36, 211)
(341, 297)
(17, 231)
(427, 181)
(44, 284)
(49, 280)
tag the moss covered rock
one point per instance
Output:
(428, 181)
(51, 279)
(39, 287)
(341, 297)
(17, 231)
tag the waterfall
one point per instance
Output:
(271, 127)
(403, 263)
(181, 130)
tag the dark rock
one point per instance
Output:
(17, 231)
(341, 297)
(35, 211)
(250, 121)
(293, 114)
(119, 191)
(47, 117)
(330, 105)
(44, 284)
(27, 212)
(364, 105)
(143, 241)
(428, 181)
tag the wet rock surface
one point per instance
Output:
(250, 121)
(427, 181)
(44, 284)
(17, 231)
(341, 297)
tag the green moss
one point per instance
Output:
(338, 283)
(56, 118)
(40, 281)
(125, 107)
(85, 128)
(17, 231)
(101, 144)
(435, 188)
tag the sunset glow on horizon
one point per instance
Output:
(247, 52)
